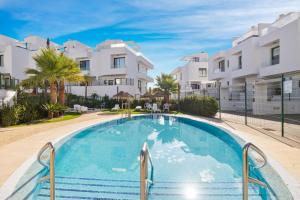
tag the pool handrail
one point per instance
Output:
(145, 157)
(246, 178)
(50, 166)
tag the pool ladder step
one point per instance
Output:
(111, 189)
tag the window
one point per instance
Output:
(275, 53)
(240, 63)
(195, 86)
(196, 59)
(140, 85)
(118, 81)
(84, 65)
(222, 66)
(110, 82)
(1, 60)
(202, 72)
(227, 63)
(119, 62)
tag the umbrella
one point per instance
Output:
(122, 95)
(147, 95)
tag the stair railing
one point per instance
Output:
(50, 166)
(145, 182)
(246, 177)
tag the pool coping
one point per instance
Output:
(10, 184)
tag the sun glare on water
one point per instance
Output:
(190, 192)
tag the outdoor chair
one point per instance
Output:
(166, 107)
(116, 108)
(155, 108)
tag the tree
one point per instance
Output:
(167, 84)
(68, 71)
(54, 68)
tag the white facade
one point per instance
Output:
(114, 65)
(259, 56)
(193, 76)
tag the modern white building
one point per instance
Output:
(114, 64)
(193, 76)
(259, 58)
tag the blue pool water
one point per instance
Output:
(192, 160)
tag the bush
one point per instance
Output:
(204, 106)
(9, 115)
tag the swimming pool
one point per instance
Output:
(191, 159)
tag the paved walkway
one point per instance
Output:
(17, 144)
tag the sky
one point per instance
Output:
(166, 30)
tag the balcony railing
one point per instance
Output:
(7, 82)
(107, 82)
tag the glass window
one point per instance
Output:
(110, 82)
(1, 60)
(222, 65)
(119, 62)
(240, 62)
(227, 63)
(118, 81)
(196, 59)
(84, 65)
(195, 86)
(275, 54)
(202, 72)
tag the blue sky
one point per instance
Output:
(166, 30)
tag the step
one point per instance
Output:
(113, 189)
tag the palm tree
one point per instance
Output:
(69, 71)
(167, 84)
(54, 68)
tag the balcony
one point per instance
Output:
(145, 77)
(217, 74)
(239, 72)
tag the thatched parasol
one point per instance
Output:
(123, 95)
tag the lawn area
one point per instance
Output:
(66, 116)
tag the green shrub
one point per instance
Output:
(9, 115)
(204, 106)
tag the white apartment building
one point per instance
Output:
(114, 65)
(260, 57)
(193, 76)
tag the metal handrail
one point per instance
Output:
(50, 166)
(246, 178)
(144, 181)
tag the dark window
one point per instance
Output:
(110, 82)
(84, 65)
(119, 62)
(227, 63)
(228, 83)
(275, 53)
(222, 66)
(140, 85)
(208, 85)
(1, 60)
(196, 59)
(195, 86)
(202, 72)
(240, 62)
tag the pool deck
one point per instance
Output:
(17, 144)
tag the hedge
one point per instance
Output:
(195, 105)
